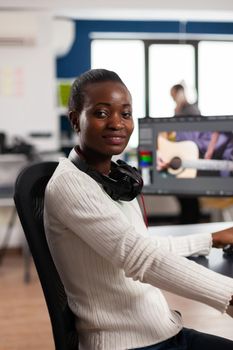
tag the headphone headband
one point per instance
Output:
(123, 183)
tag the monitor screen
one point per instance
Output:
(188, 155)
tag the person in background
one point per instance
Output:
(183, 107)
(112, 270)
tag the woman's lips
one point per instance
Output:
(114, 140)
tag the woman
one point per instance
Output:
(111, 269)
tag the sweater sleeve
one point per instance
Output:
(79, 203)
(190, 245)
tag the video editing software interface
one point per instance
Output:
(188, 155)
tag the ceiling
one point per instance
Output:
(129, 9)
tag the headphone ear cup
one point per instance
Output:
(127, 177)
(132, 172)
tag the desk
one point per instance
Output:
(215, 260)
(10, 166)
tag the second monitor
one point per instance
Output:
(190, 155)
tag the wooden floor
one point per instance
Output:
(24, 321)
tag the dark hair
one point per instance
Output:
(177, 87)
(77, 94)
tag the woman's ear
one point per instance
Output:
(74, 120)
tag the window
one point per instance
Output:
(215, 77)
(169, 64)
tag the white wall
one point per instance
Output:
(27, 78)
(157, 4)
(129, 9)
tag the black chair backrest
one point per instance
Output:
(29, 201)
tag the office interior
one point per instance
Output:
(152, 45)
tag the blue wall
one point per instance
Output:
(78, 59)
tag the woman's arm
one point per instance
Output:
(187, 245)
(211, 146)
(196, 244)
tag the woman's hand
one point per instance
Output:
(229, 310)
(222, 238)
(161, 164)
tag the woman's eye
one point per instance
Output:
(101, 114)
(127, 115)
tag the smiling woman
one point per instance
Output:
(112, 270)
(103, 119)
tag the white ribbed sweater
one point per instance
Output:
(113, 271)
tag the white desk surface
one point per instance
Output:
(178, 230)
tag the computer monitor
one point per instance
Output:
(188, 155)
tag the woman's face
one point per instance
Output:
(105, 123)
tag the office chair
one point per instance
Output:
(29, 201)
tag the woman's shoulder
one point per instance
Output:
(65, 168)
(67, 176)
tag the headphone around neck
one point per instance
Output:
(123, 183)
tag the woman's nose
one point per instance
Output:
(115, 121)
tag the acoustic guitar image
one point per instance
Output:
(183, 160)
